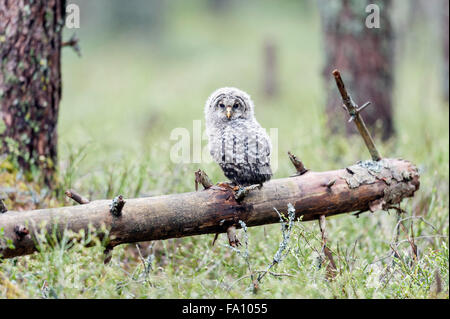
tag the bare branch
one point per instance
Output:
(202, 178)
(73, 43)
(76, 197)
(213, 210)
(298, 164)
(286, 230)
(331, 266)
(354, 112)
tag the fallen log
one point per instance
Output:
(368, 185)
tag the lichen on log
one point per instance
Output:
(400, 182)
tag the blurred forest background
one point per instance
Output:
(148, 66)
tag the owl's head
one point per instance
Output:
(228, 104)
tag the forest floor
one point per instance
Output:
(122, 100)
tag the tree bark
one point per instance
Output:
(364, 55)
(364, 186)
(30, 82)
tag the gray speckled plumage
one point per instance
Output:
(236, 140)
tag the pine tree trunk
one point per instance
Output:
(365, 56)
(30, 82)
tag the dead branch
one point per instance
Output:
(354, 112)
(76, 197)
(213, 210)
(331, 266)
(202, 178)
(298, 164)
(73, 43)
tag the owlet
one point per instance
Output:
(236, 140)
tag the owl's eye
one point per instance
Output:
(236, 105)
(222, 105)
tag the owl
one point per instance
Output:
(236, 140)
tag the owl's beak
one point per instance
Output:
(228, 112)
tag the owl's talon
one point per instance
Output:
(225, 185)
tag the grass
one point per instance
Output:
(123, 98)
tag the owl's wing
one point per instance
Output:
(214, 143)
(258, 146)
(266, 148)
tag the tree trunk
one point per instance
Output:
(30, 82)
(364, 186)
(270, 68)
(364, 55)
